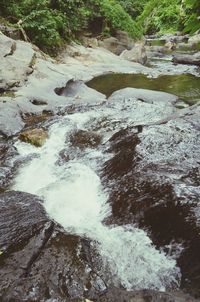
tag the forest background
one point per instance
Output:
(51, 23)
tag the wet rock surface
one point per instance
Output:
(39, 261)
(153, 179)
(7, 163)
(83, 139)
(119, 295)
(36, 137)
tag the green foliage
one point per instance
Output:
(118, 18)
(133, 7)
(160, 16)
(49, 22)
(192, 15)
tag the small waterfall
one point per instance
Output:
(74, 197)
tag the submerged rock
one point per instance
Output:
(83, 139)
(36, 137)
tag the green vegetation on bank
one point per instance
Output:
(192, 15)
(160, 16)
(49, 23)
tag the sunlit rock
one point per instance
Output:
(136, 54)
(36, 137)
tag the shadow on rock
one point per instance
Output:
(153, 182)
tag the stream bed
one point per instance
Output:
(119, 182)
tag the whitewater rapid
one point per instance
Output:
(74, 197)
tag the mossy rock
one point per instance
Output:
(36, 137)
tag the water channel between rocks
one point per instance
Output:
(74, 197)
(73, 192)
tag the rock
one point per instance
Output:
(170, 45)
(124, 39)
(112, 44)
(117, 44)
(136, 54)
(36, 137)
(81, 93)
(195, 39)
(85, 139)
(154, 54)
(177, 38)
(10, 118)
(185, 46)
(39, 102)
(24, 217)
(39, 260)
(11, 32)
(8, 165)
(187, 59)
(144, 95)
(90, 42)
(155, 51)
(120, 295)
(15, 62)
(153, 180)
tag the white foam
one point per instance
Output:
(74, 197)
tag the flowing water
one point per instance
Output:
(72, 189)
(74, 197)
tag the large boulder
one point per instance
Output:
(117, 44)
(124, 39)
(187, 59)
(39, 260)
(112, 44)
(136, 54)
(153, 180)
